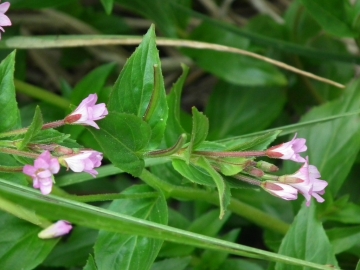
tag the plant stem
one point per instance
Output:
(20, 131)
(246, 179)
(169, 151)
(242, 209)
(111, 196)
(231, 154)
(42, 94)
(18, 152)
(11, 169)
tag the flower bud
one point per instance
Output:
(57, 229)
(266, 166)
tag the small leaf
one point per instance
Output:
(90, 264)
(21, 248)
(136, 86)
(224, 196)
(331, 15)
(172, 263)
(122, 136)
(8, 106)
(49, 136)
(34, 128)
(173, 127)
(108, 5)
(131, 251)
(200, 127)
(306, 240)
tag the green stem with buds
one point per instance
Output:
(231, 154)
(18, 153)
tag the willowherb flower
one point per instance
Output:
(281, 190)
(87, 112)
(57, 229)
(84, 161)
(289, 150)
(306, 181)
(42, 172)
(4, 20)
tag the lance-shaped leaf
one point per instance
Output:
(137, 91)
(131, 251)
(223, 190)
(307, 240)
(200, 128)
(34, 128)
(21, 248)
(8, 106)
(173, 126)
(122, 136)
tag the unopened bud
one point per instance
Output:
(288, 179)
(254, 171)
(57, 229)
(72, 118)
(266, 166)
(62, 150)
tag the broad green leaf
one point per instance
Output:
(331, 15)
(168, 18)
(122, 136)
(207, 224)
(307, 240)
(34, 128)
(74, 251)
(347, 214)
(49, 136)
(223, 190)
(90, 264)
(137, 91)
(131, 251)
(344, 238)
(232, 109)
(172, 263)
(211, 260)
(334, 145)
(199, 132)
(21, 248)
(259, 142)
(56, 208)
(10, 161)
(173, 127)
(193, 173)
(8, 106)
(241, 264)
(236, 69)
(108, 5)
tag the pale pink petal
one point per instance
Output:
(4, 20)
(29, 170)
(44, 174)
(4, 7)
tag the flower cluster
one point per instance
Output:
(86, 160)
(305, 180)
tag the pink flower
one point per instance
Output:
(85, 161)
(87, 112)
(42, 172)
(277, 189)
(289, 150)
(306, 181)
(4, 20)
(57, 229)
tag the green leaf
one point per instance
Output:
(200, 128)
(331, 15)
(49, 136)
(135, 92)
(193, 173)
(344, 238)
(348, 214)
(211, 260)
(236, 69)
(8, 106)
(34, 128)
(223, 190)
(173, 264)
(259, 142)
(334, 145)
(157, 111)
(90, 264)
(56, 208)
(167, 17)
(173, 127)
(307, 240)
(122, 136)
(74, 251)
(21, 248)
(108, 5)
(131, 251)
(233, 111)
